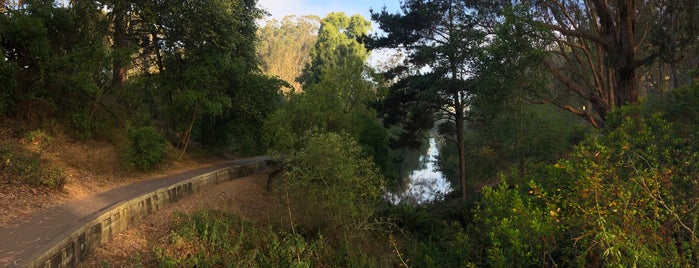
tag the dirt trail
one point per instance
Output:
(246, 197)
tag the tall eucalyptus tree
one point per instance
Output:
(599, 46)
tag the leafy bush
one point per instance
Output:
(17, 163)
(427, 239)
(336, 187)
(516, 228)
(624, 197)
(145, 148)
(630, 194)
(83, 126)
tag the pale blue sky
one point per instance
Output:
(281, 8)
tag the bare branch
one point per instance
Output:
(585, 115)
(576, 33)
(568, 82)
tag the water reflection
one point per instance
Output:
(420, 180)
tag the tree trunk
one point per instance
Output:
(626, 90)
(459, 117)
(187, 136)
(158, 55)
(121, 43)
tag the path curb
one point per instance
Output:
(73, 245)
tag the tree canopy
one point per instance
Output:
(189, 67)
(285, 46)
(434, 81)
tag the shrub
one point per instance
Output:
(336, 187)
(631, 194)
(145, 148)
(28, 167)
(83, 125)
(516, 227)
(38, 138)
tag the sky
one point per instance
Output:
(281, 8)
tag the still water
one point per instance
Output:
(420, 180)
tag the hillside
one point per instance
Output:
(43, 167)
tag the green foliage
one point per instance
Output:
(217, 239)
(284, 129)
(145, 148)
(210, 82)
(337, 95)
(430, 236)
(515, 227)
(284, 47)
(335, 185)
(630, 193)
(38, 138)
(240, 128)
(18, 165)
(623, 197)
(55, 61)
(337, 48)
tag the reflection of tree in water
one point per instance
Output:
(411, 160)
(420, 179)
(448, 162)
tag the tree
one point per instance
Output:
(58, 58)
(337, 92)
(284, 47)
(337, 187)
(208, 53)
(121, 40)
(600, 46)
(510, 126)
(440, 37)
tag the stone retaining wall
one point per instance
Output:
(104, 225)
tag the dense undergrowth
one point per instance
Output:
(624, 196)
(332, 192)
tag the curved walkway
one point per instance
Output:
(34, 241)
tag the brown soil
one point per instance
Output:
(90, 167)
(247, 197)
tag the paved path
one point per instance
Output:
(23, 239)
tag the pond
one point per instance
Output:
(420, 181)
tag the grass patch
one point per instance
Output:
(220, 239)
(223, 239)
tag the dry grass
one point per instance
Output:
(246, 197)
(90, 166)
